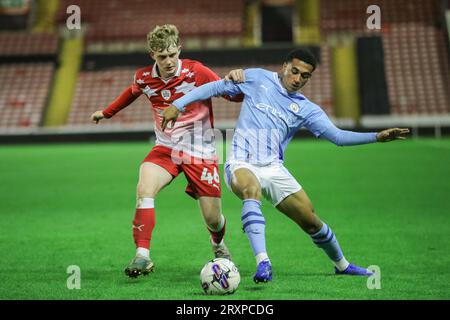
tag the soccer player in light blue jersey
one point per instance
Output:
(273, 110)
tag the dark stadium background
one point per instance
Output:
(67, 185)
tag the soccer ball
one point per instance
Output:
(220, 276)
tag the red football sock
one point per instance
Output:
(143, 224)
(217, 236)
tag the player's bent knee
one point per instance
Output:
(212, 217)
(311, 224)
(311, 228)
(145, 190)
(303, 214)
(251, 192)
(213, 221)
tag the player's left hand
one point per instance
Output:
(97, 116)
(236, 75)
(392, 134)
(170, 114)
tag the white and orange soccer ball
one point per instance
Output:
(219, 277)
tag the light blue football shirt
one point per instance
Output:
(270, 116)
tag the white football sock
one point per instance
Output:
(342, 264)
(145, 203)
(143, 252)
(261, 257)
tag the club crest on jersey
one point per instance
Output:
(294, 107)
(166, 94)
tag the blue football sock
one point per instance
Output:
(254, 225)
(326, 240)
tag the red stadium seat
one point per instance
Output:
(416, 61)
(97, 89)
(22, 97)
(112, 20)
(25, 44)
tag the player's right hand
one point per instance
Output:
(97, 116)
(392, 134)
(236, 75)
(170, 114)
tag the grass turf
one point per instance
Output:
(63, 205)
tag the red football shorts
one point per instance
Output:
(202, 176)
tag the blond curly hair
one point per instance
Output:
(163, 37)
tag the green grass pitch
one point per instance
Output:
(62, 205)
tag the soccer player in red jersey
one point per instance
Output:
(166, 80)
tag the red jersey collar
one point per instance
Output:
(156, 75)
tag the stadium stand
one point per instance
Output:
(106, 18)
(416, 57)
(23, 94)
(24, 44)
(25, 84)
(97, 89)
(416, 60)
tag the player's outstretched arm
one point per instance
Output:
(97, 116)
(321, 126)
(392, 134)
(122, 101)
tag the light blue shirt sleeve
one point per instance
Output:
(208, 90)
(321, 126)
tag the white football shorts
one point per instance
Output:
(275, 180)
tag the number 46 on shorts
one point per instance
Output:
(213, 179)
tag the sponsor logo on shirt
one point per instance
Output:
(290, 121)
(294, 107)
